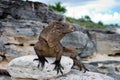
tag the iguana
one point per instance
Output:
(48, 45)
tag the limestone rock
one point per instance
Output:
(107, 41)
(25, 67)
(18, 37)
(5, 78)
(77, 75)
(19, 9)
(81, 42)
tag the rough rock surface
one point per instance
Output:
(25, 67)
(19, 9)
(5, 78)
(105, 65)
(107, 41)
(81, 42)
(106, 60)
(18, 37)
(76, 75)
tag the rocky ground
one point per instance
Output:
(21, 23)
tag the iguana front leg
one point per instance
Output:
(58, 67)
(40, 58)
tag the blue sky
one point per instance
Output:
(107, 11)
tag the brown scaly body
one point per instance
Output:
(49, 45)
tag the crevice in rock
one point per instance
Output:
(3, 56)
(32, 44)
(7, 44)
(103, 31)
(116, 54)
(4, 15)
(21, 44)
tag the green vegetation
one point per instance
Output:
(57, 7)
(113, 25)
(84, 21)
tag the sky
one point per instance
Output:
(106, 11)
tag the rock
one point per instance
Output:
(18, 37)
(5, 78)
(81, 42)
(91, 67)
(108, 65)
(115, 76)
(106, 60)
(107, 41)
(25, 67)
(117, 30)
(19, 9)
(22, 79)
(2, 49)
(77, 75)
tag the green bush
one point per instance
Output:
(58, 7)
(86, 21)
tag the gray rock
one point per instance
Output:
(76, 75)
(11, 51)
(23, 31)
(21, 27)
(5, 78)
(18, 37)
(107, 41)
(1, 12)
(1, 44)
(28, 10)
(2, 48)
(25, 67)
(81, 42)
(115, 76)
(108, 67)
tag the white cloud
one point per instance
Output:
(98, 10)
(107, 18)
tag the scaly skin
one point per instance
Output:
(49, 45)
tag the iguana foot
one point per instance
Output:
(80, 65)
(58, 67)
(41, 60)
